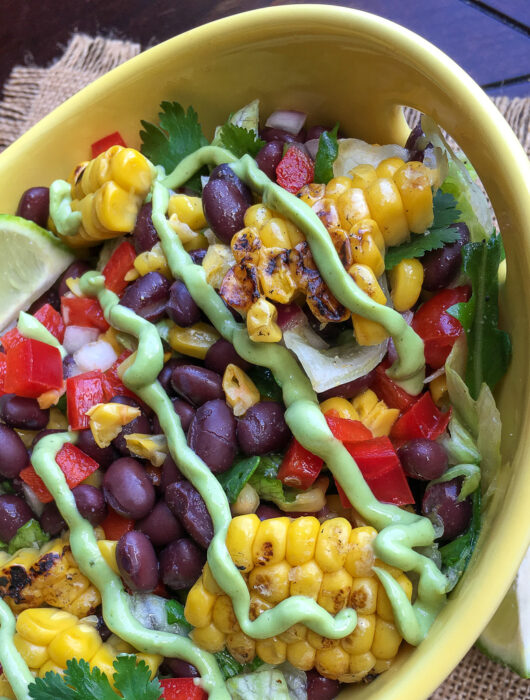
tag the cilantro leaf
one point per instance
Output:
(265, 383)
(88, 683)
(237, 476)
(175, 614)
(328, 149)
(440, 233)
(239, 140)
(265, 481)
(51, 687)
(133, 680)
(489, 348)
(229, 667)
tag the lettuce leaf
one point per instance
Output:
(265, 481)
(29, 535)
(269, 683)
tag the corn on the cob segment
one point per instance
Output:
(330, 563)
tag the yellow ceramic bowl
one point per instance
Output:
(339, 64)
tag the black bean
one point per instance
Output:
(34, 205)
(14, 512)
(13, 453)
(23, 413)
(177, 668)
(212, 435)
(221, 354)
(128, 489)
(141, 424)
(225, 172)
(181, 563)
(271, 134)
(188, 505)
(269, 157)
(184, 411)
(90, 503)
(440, 267)
(43, 433)
(423, 459)
(50, 296)
(321, 688)
(76, 269)
(70, 369)
(144, 234)
(148, 296)
(137, 562)
(197, 384)
(440, 502)
(350, 389)
(224, 208)
(198, 255)
(170, 473)
(104, 456)
(160, 525)
(267, 510)
(165, 373)
(181, 308)
(51, 520)
(263, 429)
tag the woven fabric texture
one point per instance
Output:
(32, 92)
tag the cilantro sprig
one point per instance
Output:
(328, 149)
(239, 140)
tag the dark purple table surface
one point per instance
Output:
(490, 39)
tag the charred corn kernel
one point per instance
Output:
(246, 502)
(258, 605)
(152, 260)
(312, 193)
(64, 596)
(261, 322)
(246, 244)
(275, 275)
(209, 582)
(188, 210)
(365, 251)
(301, 540)
(270, 582)
(275, 234)
(319, 642)
(386, 640)
(223, 615)
(40, 625)
(271, 651)
(216, 263)
(414, 185)
(194, 341)
(389, 166)
(352, 207)
(107, 420)
(438, 389)
(332, 663)
(296, 633)
(327, 211)
(335, 591)
(295, 235)
(337, 185)
(239, 541)
(364, 403)
(384, 607)
(86, 601)
(386, 207)
(33, 654)
(199, 605)
(151, 447)
(364, 277)
(270, 541)
(367, 332)
(341, 406)
(115, 208)
(363, 175)
(361, 639)
(301, 654)
(381, 419)
(108, 552)
(209, 638)
(406, 280)
(240, 391)
(131, 170)
(369, 227)
(361, 665)
(57, 420)
(364, 593)
(306, 579)
(332, 544)
(258, 215)
(361, 557)
(78, 642)
(242, 648)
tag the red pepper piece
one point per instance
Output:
(119, 264)
(182, 689)
(438, 330)
(75, 465)
(11, 339)
(299, 467)
(52, 320)
(347, 430)
(3, 369)
(294, 170)
(116, 525)
(82, 311)
(114, 139)
(422, 420)
(388, 391)
(33, 368)
(112, 384)
(82, 392)
(382, 471)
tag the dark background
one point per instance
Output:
(488, 38)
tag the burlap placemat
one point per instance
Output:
(31, 92)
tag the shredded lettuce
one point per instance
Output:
(29, 535)
(269, 683)
(152, 612)
(471, 478)
(265, 481)
(459, 444)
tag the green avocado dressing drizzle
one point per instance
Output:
(14, 666)
(65, 219)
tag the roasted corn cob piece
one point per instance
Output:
(330, 563)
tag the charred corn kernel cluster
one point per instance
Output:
(194, 340)
(216, 263)
(107, 420)
(406, 280)
(109, 191)
(47, 638)
(330, 563)
(240, 391)
(374, 413)
(261, 322)
(49, 575)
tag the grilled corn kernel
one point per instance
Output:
(295, 235)
(107, 420)
(131, 170)
(389, 166)
(296, 633)
(319, 642)
(153, 260)
(312, 193)
(194, 341)
(438, 389)
(384, 607)
(364, 277)
(332, 544)
(275, 275)
(301, 540)
(337, 185)
(108, 552)
(386, 640)
(209, 582)
(239, 541)
(242, 648)
(246, 502)
(261, 322)
(352, 206)
(257, 216)
(367, 332)
(306, 579)
(340, 406)
(216, 263)
(40, 625)
(385, 207)
(414, 185)
(258, 605)
(332, 663)
(335, 591)
(363, 175)
(240, 391)
(188, 210)
(209, 638)
(78, 642)
(270, 542)
(406, 280)
(327, 211)
(364, 593)
(369, 226)
(364, 403)
(271, 582)
(199, 605)
(365, 251)
(115, 207)
(301, 655)
(274, 234)
(272, 651)
(223, 615)
(361, 665)
(361, 639)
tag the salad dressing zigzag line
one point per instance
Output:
(14, 666)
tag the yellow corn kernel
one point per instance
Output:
(153, 260)
(239, 540)
(62, 596)
(381, 419)
(78, 642)
(438, 389)
(258, 215)
(108, 552)
(33, 654)
(296, 633)
(270, 541)
(151, 447)
(363, 597)
(406, 280)
(261, 322)
(241, 392)
(275, 275)
(107, 420)
(310, 501)
(116, 208)
(364, 277)
(208, 638)
(382, 665)
(110, 336)
(85, 603)
(327, 211)
(199, 605)
(360, 640)
(190, 239)
(91, 225)
(384, 607)
(270, 582)
(131, 170)
(40, 625)
(332, 544)
(301, 655)
(337, 185)
(341, 406)
(369, 226)
(392, 570)
(188, 210)
(242, 647)
(49, 666)
(389, 166)
(352, 206)
(152, 661)
(367, 332)
(97, 170)
(104, 659)
(385, 207)
(57, 419)
(306, 579)
(386, 640)
(274, 234)
(245, 245)
(26, 436)
(364, 403)
(246, 502)
(365, 251)
(414, 185)
(194, 340)
(223, 615)
(335, 591)
(258, 605)
(295, 235)
(363, 175)
(319, 642)
(361, 665)
(272, 651)
(119, 645)
(301, 540)
(332, 663)
(216, 263)
(209, 582)
(312, 193)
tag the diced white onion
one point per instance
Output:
(31, 498)
(75, 337)
(312, 147)
(288, 120)
(99, 355)
(435, 374)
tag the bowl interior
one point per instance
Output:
(346, 66)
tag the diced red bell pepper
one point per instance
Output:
(382, 471)
(119, 264)
(115, 525)
(347, 430)
(438, 330)
(422, 420)
(50, 319)
(32, 368)
(82, 392)
(3, 368)
(83, 311)
(295, 170)
(112, 384)
(299, 467)
(388, 391)
(11, 338)
(182, 689)
(75, 465)
(114, 139)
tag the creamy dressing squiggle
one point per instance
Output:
(14, 666)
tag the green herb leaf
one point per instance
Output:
(239, 140)
(440, 233)
(456, 554)
(52, 687)
(328, 149)
(89, 683)
(265, 383)
(175, 614)
(133, 680)
(29, 535)
(489, 348)
(265, 481)
(229, 667)
(237, 476)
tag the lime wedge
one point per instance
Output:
(31, 259)
(506, 639)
